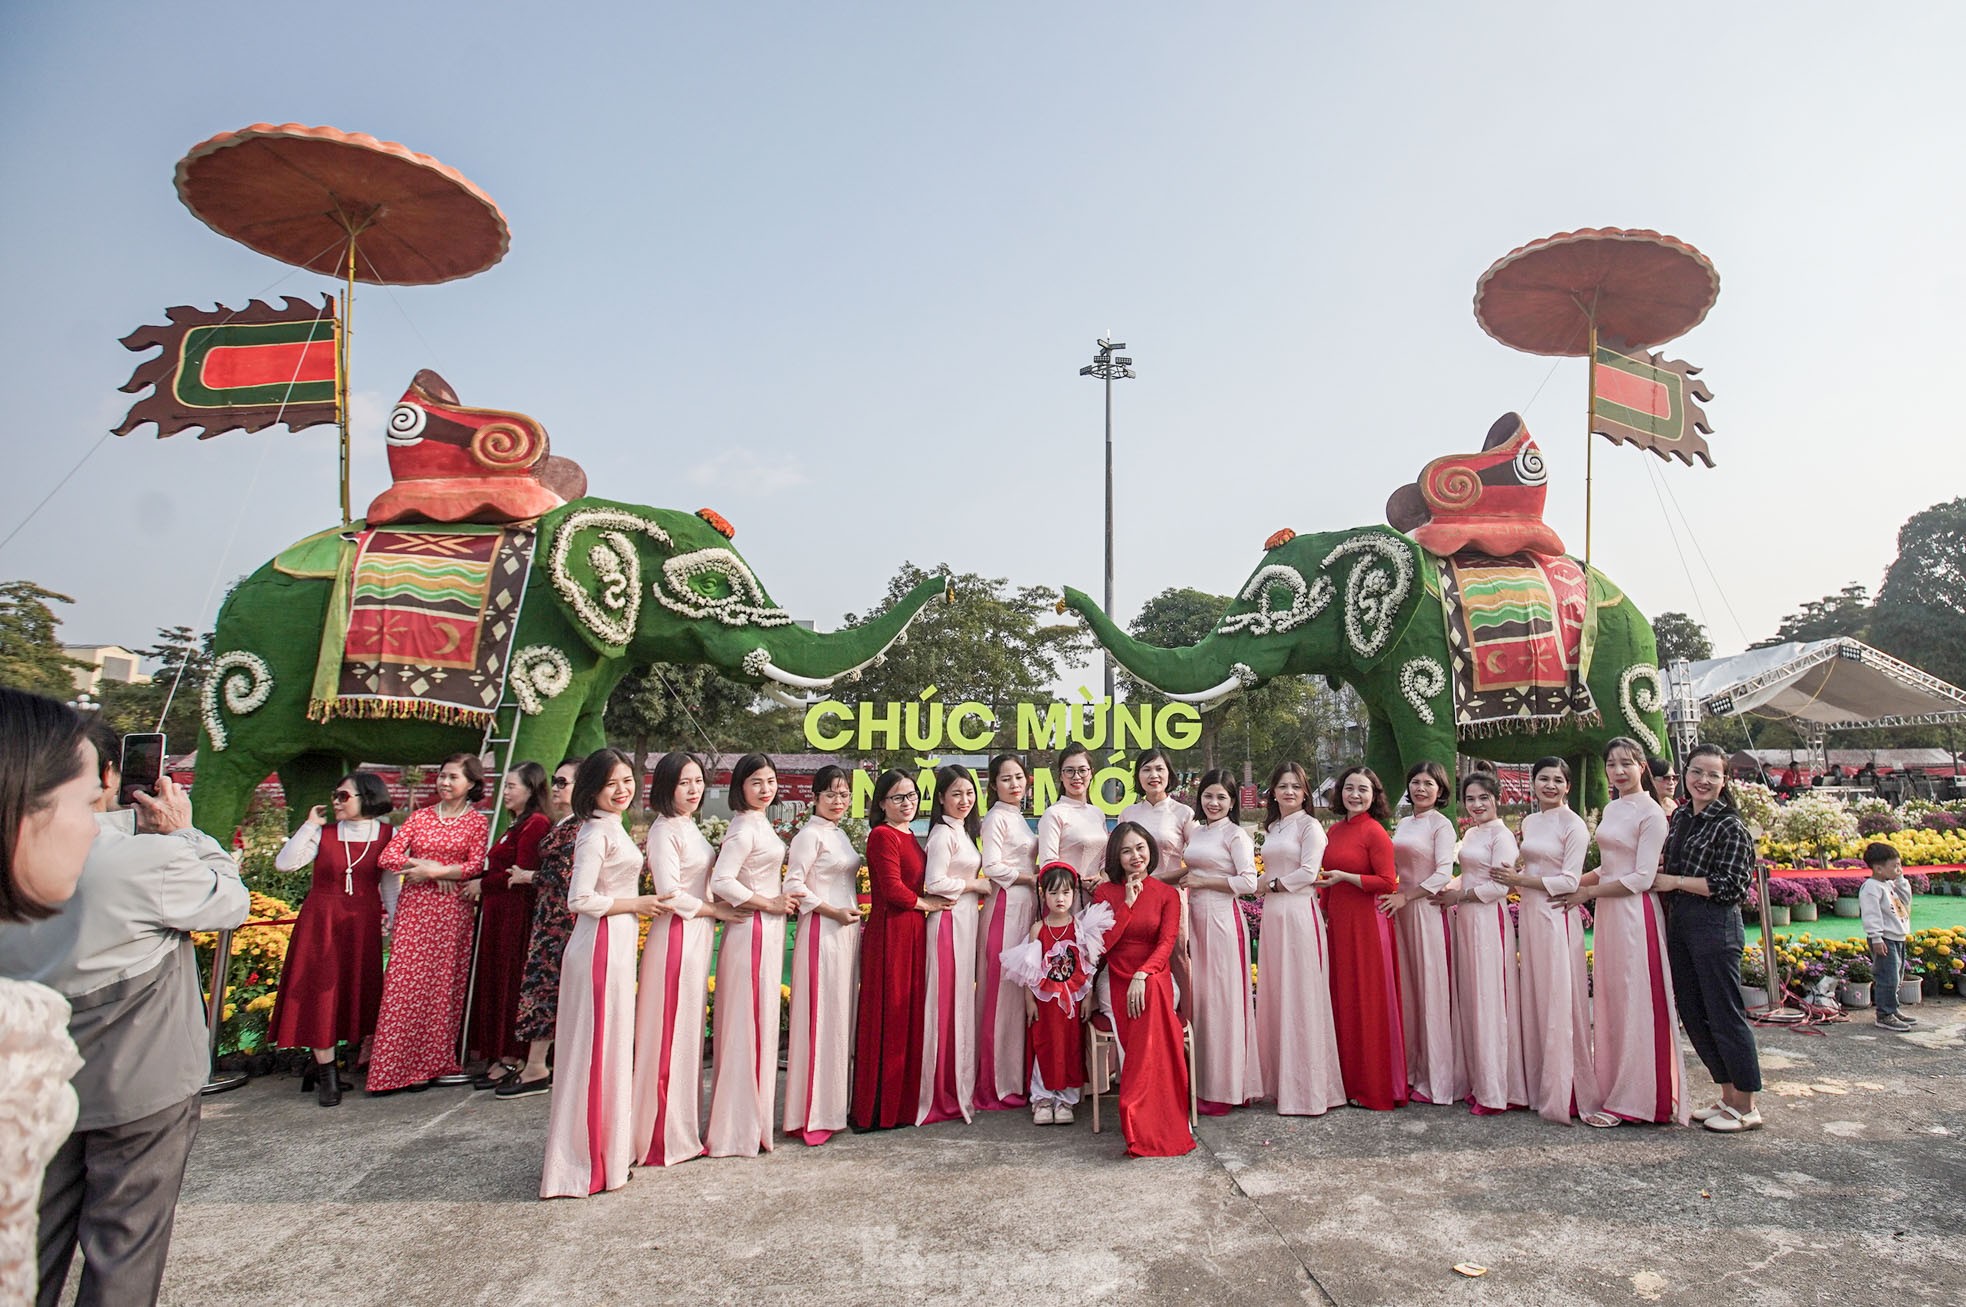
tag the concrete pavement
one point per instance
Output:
(1854, 1192)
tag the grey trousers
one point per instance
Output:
(113, 1192)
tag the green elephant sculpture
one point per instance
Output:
(1365, 608)
(611, 586)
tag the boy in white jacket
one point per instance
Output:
(1884, 902)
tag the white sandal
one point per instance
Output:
(1733, 1121)
(1705, 1114)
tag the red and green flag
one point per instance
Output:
(1650, 401)
(237, 370)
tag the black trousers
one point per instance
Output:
(114, 1192)
(1703, 947)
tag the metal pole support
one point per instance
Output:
(214, 1009)
(461, 1076)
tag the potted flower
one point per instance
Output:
(1754, 977)
(1804, 908)
(1846, 895)
(1911, 984)
(1853, 989)
(1783, 895)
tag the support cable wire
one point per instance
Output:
(218, 570)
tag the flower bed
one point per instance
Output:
(1939, 955)
(259, 953)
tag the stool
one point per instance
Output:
(1100, 1043)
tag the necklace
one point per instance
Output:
(465, 806)
(348, 862)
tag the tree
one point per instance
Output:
(1292, 718)
(183, 660)
(667, 706)
(1845, 613)
(1680, 637)
(991, 643)
(30, 657)
(1920, 614)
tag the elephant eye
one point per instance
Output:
(1279, 599)
(715, 583)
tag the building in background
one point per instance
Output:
(106, 662)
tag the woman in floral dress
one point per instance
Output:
(552, 925)
(430, 948)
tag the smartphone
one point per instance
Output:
(143, 763)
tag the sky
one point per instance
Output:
(832, 270)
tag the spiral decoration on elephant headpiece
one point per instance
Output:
(456, 464)
(1491, 501)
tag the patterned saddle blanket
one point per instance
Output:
(1518, 641)
(421, 623)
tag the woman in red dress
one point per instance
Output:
(887, 1068)
(1146, 925)
(430, 947)
(505, 895)
(1358, 869)
(332, 983)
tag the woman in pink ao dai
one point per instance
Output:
(1295, 1040)
(1222, 865)
(952, 870)
(1556, 997)
(1636, 1044)
(675, 975)
(1010, 850)
(1487, 995)
(823, 875)
(1072, 830)
(589, 1135)
(1423, 854)
(750, 960)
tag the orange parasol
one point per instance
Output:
(345, 204)
(1637, 287)
(326, 200)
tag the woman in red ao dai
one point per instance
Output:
(1358, 869)
(1487, 997)
(1010, 851)
(505, 909)
(1297, 1045)
(1423, 854)
(1221, 865)
(1636, 1049)
(590, 1141)
(822, 874)
(952, 870)
(1073, 829)
(1556, 999)
(744, 1059)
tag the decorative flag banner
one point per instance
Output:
(1647, 400)
(243, 370)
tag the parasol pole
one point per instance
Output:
(341, 380)
(1589, 443)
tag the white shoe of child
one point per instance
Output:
(1062, 1115)
(1043, 1113)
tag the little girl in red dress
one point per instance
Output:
(1056, 965)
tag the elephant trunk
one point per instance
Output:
(1205, 673)
(800, 659)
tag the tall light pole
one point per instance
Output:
(1109, 365)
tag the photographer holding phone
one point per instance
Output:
(120, 953)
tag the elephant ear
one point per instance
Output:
(1380, 571)
(594, 562)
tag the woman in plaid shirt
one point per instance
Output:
(1710, 857)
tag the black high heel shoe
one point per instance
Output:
(311, 1075)
(329, 1093)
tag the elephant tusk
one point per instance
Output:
(778, 695)
(770, 671)
(1240, 678)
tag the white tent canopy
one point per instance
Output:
(1823, 684)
